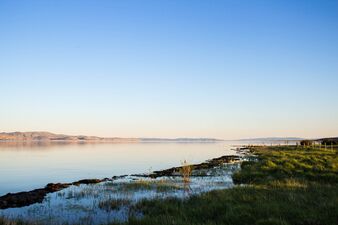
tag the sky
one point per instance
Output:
(170, 68)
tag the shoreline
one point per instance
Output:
(26, 198)
(271, 185)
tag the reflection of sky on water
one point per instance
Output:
(81, 203)
(27, 166)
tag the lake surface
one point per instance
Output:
(24, 167)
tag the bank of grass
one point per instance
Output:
(113, 204)
(147, 185)
(4, 221)
(308, 164)
(283, 185)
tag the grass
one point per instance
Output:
(139, 185)
(284, 185)
(284, 162)
(89, 190)
(245, 205)
(113, 204)
(4, 221)
(186, 171)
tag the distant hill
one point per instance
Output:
(180, 140)
(273, 139)
(47, 137)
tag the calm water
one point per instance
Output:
(25, 167)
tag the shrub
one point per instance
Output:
(330, 141)
(306, 142)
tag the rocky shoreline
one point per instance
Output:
(27, 198)
(175, 171)
(21, 199)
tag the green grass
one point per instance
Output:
(246, 205)
(4, 221)
(139, 185)
(113, 204)
(284, 185)
(284, 162)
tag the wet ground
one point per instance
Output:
(112, 200)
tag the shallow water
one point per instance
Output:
(90, 204)
(25, 167)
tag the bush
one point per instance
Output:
(306, 142)
(330, 141)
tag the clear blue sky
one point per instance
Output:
(226, 69)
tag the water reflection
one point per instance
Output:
(34, 145)
(114, 200)
(25, 166)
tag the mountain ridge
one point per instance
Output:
(48, 136)
(44, 136)
(272, 139)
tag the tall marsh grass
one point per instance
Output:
(186, 171)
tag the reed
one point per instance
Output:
(186, 171)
